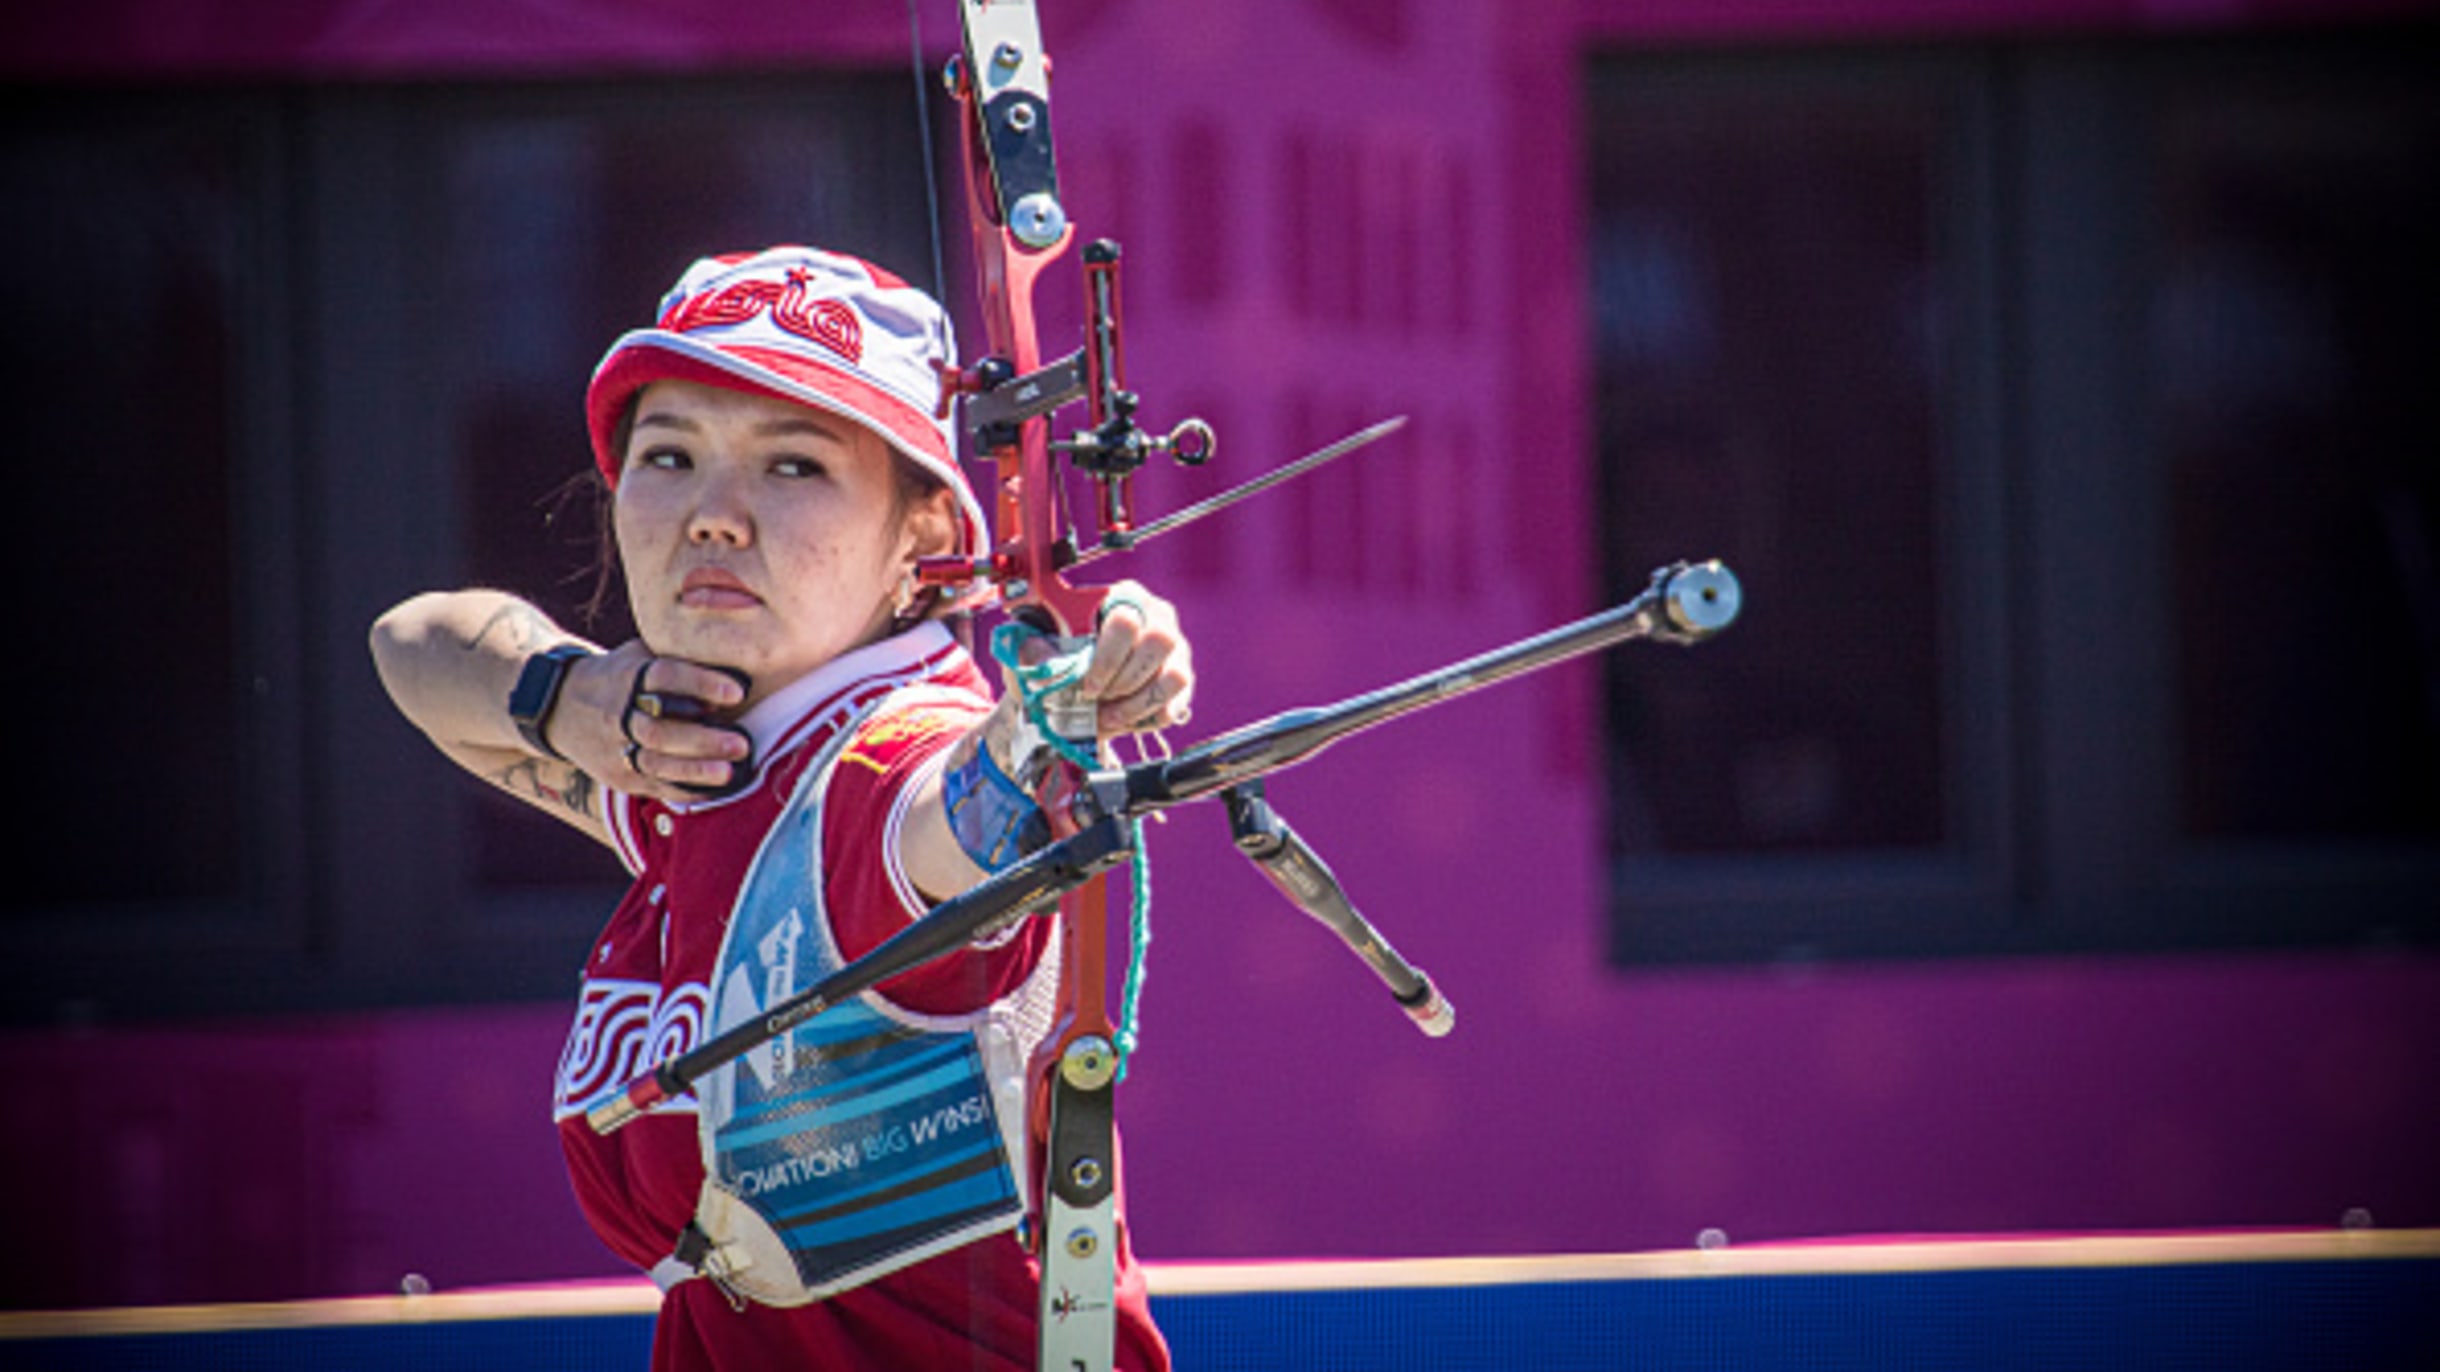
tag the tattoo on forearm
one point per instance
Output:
(520, 625)
(577, 795)
(571, 788)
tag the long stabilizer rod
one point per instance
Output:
(1684, 604)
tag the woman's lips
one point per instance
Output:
(711, 588)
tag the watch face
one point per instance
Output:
(537, 690)
(524, 702)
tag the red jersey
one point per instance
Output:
(891, 709)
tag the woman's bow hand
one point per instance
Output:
(1142, 673)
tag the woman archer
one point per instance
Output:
(794, 758)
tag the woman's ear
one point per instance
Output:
(930, 526)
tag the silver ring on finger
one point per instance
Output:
(1120, 600)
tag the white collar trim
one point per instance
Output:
(776, 716)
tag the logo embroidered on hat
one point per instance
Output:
(831, 323)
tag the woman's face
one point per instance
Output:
(760, 534)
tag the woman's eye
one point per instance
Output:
(667, 459)
(796, 467)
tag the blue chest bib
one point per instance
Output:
(867, 1138)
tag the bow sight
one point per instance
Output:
(999, 401)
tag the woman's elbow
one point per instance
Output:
(400, 633)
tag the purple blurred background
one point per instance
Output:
(1961, 929)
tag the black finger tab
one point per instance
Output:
(686, 709)
(741, 772)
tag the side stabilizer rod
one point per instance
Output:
(1308, 883)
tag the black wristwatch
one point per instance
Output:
(529, 705)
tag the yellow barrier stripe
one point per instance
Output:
(1796, 1259)
(558, 1300)
(637, 1297)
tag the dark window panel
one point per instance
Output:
(1768, 278)
(118, 278)
(2293, 314)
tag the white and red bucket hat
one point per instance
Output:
(816, 328)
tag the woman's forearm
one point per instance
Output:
(449, 660)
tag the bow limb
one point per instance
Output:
(1019, 230)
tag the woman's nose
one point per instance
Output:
(722, 513)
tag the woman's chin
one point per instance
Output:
(749, 642)
(723, 641)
